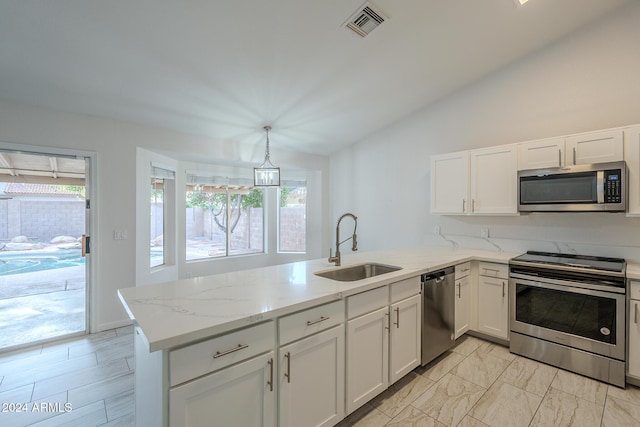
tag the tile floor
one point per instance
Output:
(93, 374)
(476, 384)
(479, 384)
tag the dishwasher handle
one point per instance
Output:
(437, 276)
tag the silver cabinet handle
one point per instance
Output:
(559, 158)
(386, 321)
(288, 373)
(397, 310)
(635, 316)
(473, 205)
(459, 290)
(503, 289)
(270, 382)
(574, 155)
(313, 322)
(231, 350)
(464, 202)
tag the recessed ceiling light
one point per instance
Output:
(520, 2)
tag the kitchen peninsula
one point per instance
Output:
(182, 325)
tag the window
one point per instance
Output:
(224, 217)
(161, 179)
(292, 218)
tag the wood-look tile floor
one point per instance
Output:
(476, 384)
(92, 375)
(480, 384)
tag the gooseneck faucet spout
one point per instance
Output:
(354, 238)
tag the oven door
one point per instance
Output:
(590, 320)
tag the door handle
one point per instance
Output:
(559, 158)
(635, 316)
(397, 310)
(464, 202)
(270, 382)
(574, 155)
(459, 291)
(86, 248)
(288, 373)
(502, 289)
(386, 321)
(473, 205)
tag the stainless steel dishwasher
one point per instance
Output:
(438, 302)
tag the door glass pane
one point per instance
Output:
(586, 316)
(292, 219)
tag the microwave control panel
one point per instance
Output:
(613, 186)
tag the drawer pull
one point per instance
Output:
(490, 269)
(232, 350)
(313, 322)
(288, 373)
(397, 310)
(270, 382)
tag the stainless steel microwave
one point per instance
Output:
(600, 187)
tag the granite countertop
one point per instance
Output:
(175, 313)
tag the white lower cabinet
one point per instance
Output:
(633, 359)
(311, 383)
(404, 347)
(367, 357)
(493, 306)
(241, 395)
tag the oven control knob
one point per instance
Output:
(605, 331)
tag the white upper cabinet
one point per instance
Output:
(494, 180)
(594, 147)
(632, 157)
(450, 183)
(547, 153)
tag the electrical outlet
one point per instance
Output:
(436, 230)
(119, 234)
(484, 233)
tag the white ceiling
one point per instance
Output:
(227, 68)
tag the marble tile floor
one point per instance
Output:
(480, 384)
(476, 384)
(92, 375)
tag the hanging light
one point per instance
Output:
(266, 175)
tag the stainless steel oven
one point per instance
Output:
(569, 311)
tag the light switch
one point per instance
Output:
(119, 234)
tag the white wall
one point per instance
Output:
(116, 144)
(587, 81)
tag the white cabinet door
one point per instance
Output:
(547, 153)
(594, 147)
(634, 338)
(462, 306)
(493, 308)
(311, 380)
(494, 179)
(241, 395)
(632, 157)
(404, 347)
(367, 357)
(450, 183)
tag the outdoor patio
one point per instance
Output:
(42, 304)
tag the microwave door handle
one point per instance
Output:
(600, 186)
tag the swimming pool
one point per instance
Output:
(32, 261)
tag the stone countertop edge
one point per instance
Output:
(633, 271)
(180, 312)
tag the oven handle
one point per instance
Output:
(562, 286)
(567, 284)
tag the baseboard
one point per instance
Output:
(111, 325)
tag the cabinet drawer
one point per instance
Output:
(492, 269)
(208, 356)
(634, 290)
(366, 302)
(462, 270)
(308, 322)
(405, 289)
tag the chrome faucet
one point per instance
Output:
(354, 247)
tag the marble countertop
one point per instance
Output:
(182, 311)
(633, 271)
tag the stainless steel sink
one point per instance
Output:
(357, 272)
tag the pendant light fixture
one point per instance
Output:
(266, 175)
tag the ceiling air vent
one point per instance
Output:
(365, 20)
